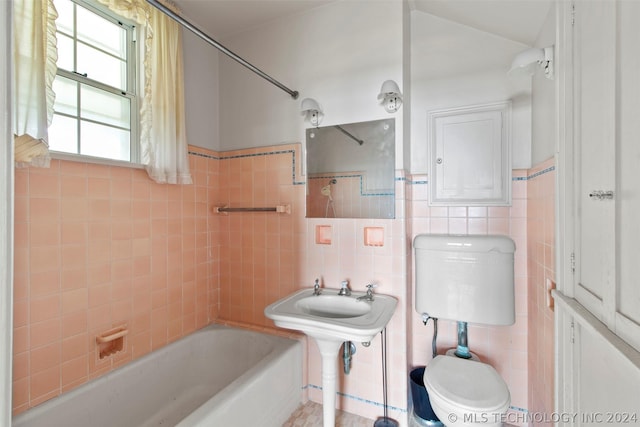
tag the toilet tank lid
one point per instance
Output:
(464, 243)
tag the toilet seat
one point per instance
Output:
(469, 386)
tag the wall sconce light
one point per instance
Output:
(526, 61)
(311, 111)
(390, 96)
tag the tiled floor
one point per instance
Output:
(310, 415)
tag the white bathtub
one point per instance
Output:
(217, 376)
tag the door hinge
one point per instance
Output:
(572, 336)
(572, 262)
(573, 14)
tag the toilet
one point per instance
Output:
(467, 279)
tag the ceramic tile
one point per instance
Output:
(310, 415)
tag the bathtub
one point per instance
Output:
(217, 376)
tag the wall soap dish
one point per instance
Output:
(111, 341)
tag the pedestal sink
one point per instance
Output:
(330, 319)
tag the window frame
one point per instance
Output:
(131, 92)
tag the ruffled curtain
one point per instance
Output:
(34, 68)
(163, 136)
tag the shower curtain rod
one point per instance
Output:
(294, 93)
(349, 134)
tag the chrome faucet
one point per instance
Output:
(344, 289)
(369, 295)
(316, 287)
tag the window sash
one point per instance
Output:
(128, 93)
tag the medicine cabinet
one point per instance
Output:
(470, 155)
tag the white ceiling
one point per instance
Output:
(518, 20)
(221, 18)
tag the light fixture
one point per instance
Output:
(526, 61)
(390, 96)
(311, 111)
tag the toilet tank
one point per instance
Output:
(465, 278)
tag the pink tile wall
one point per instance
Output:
(257, 249)
(541, 232)
(266, 256)
(505, 348)
(102, 246)
(99, 246)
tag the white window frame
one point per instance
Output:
(131, 92)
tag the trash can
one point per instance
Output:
(421, 406)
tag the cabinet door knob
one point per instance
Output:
(601, 195)
(439, 160)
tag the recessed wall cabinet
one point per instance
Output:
(470, 155)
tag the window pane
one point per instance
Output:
(101, 33)
(64, 21)
(104, 141)
(105, 107)
(101, 67)
(66, 96)
(65, 52)
(63, 134)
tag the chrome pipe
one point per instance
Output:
(462, 350)
(348, 350)
(180, 20)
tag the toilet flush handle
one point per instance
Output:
(425, 318)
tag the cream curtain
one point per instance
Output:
(163, 135)
(164, 149)
(34, 68)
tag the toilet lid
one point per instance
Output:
(466, 384)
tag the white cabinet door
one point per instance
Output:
(595, 81)
(469, 156)
(607, 163)
(628, 176)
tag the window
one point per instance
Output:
(96, 108)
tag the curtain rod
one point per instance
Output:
(294, 93)
(349, 134)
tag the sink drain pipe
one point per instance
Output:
(348, 350)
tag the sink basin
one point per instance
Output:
(334, 306)
(330, 316)
(330, 319)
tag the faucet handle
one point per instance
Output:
(344, 288)
(369, 295)
(316, 287)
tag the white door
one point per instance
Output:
(607, 167)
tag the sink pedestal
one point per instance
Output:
(329, 351)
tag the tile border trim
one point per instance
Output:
(359, 399)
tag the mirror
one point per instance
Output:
(351, 170)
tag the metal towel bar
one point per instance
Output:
(279, 209)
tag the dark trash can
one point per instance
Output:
(421, 405)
